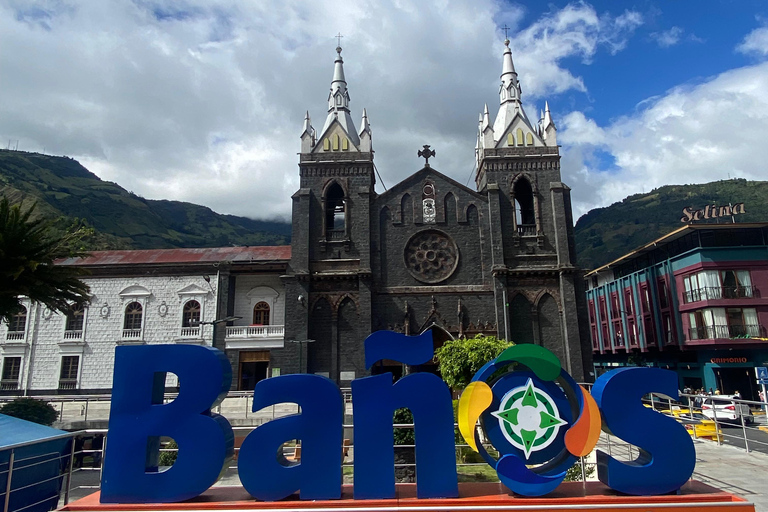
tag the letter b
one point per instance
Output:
(138, 418)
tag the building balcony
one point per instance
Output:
(720, 292)
(14, 336)
(712, 332)
(254, 336)
(67, 384)
(76, 335)
(9, 385)
(335, 235)
(132, 335)
(190, 332)
(526, 229)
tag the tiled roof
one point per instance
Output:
(177, 256)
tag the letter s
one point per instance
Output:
(667, 456)
(687, 215)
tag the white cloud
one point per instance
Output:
(203, 100)
(669, 37)
(692, 134)
(574, 31)
(755, 43)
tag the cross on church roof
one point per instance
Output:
(426, 153)
(338, 38)
(505, 28)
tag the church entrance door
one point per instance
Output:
(253, 368)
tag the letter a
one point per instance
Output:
(139, 418)
(264, 472)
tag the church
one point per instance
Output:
(427, 254)
(430, 253)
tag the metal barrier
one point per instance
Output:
(17, 464)
(484, 471)
(749, 427)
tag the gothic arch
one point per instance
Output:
(385, 221)
(544, 292)
(319, 351)
(550, 329)
(406, 209)
(524, 176)
(450, 204)
(524, 196)
(335, 209)
(521, 326)
(346, 296)
(334, 181)
(471, 214)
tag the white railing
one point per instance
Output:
(255, 331)
(131, 334)
(73, 335)
(190, 332)
(15, 335)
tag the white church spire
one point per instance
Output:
(338, 101)
(509, 94)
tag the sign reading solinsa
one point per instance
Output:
(711, 212)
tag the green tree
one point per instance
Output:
(32, 410)
(460, 359)
(29, 245)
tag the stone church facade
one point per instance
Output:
(430, 253)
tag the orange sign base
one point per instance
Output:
(694, 496)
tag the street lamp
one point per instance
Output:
(301, 346)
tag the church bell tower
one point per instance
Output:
(328, 285)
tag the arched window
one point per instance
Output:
(75, 317)
(133, 312)
(18, 320)
(335, 214)
(261, 313)
(524, 212)
(191, 314)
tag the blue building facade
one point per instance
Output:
(694, 301)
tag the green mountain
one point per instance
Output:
(67, 191)
(604, 234)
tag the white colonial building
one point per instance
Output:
(151, 297)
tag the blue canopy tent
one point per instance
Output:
(40, 454)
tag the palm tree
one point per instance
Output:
(28, 249)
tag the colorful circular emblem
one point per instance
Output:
(534, 414)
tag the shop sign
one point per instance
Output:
(720, 360)
(711, 212)
(538, 419)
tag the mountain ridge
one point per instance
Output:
(607, 233)
(66, 190)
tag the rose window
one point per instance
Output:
(431, 256)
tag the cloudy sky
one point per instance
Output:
(203, 100)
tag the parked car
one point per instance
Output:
(720, 408)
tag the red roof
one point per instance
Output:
(174, 256)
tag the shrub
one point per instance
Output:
(168, 458)
(404, 435)
(36, 411)
(460, 359)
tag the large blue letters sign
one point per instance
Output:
(536, 413)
